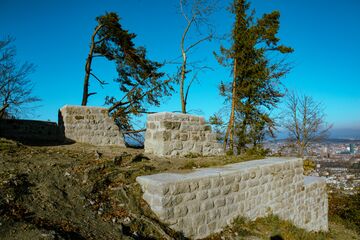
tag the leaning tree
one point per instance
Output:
(140, 82)
(257, 66)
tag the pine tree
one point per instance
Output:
(256, 73)
(140, 81)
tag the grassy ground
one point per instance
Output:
(81, 191)
(272, 227)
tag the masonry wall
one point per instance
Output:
(171, 134)
(30, 131)
(89, 125)
(205, 201)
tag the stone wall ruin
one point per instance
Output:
(172, 134)
(91, 125)
(205, 201)
(31, 131)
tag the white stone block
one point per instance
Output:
(75, 120)
(204, 201)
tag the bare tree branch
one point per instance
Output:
(198, 42)
(305, 121)
(99, 80)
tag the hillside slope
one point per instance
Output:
(81, 191)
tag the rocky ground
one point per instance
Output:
(80, 191)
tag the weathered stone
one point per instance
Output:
(207, 205)
(179, 134)
(202, 195)
(180, 211)
(206, 200)
(220, 202)
(79, 124)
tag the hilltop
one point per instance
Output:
(80, 191)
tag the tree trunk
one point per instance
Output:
(182, 81)
(3, 109)
(88, 67)
(230, 128)
(183, 67)
(241, 141)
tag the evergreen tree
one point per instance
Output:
(256, 69)
(140, 81)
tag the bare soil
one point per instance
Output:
(80, 191)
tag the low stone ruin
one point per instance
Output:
(91, 125)
(207, 200)
(172, 134)
(31, 131)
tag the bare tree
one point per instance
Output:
(305, 121)
(15, 85)
(196, 13)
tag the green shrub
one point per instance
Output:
(345, 207)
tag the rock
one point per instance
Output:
(98, 154)
(177, 134)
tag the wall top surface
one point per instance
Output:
(167, 178)
(81, 107)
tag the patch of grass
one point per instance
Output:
(345, 208)
(309, 166)
(272, 227)
(189, 165)
(9, 146)
(218, 161)
(192, 155)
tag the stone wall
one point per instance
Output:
(30, 131)
(171, 134)
(206, 200)
(89, 125)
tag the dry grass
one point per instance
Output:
(272, 227)
(71, 191)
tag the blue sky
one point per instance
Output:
(55, 36)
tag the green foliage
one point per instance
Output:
(272, 227)
(140, 80)
(192, 155)
(190, 165)
(217, 126)
(229, 153)
(309, 165)
(257, 71)
(257, 151)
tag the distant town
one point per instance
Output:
(337, 160)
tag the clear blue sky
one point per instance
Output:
(55, 36)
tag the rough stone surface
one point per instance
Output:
(89, 125)
(206, 200)
(172, 134)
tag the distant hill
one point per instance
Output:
(336, 135)
(348, 133)
(329, 140)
